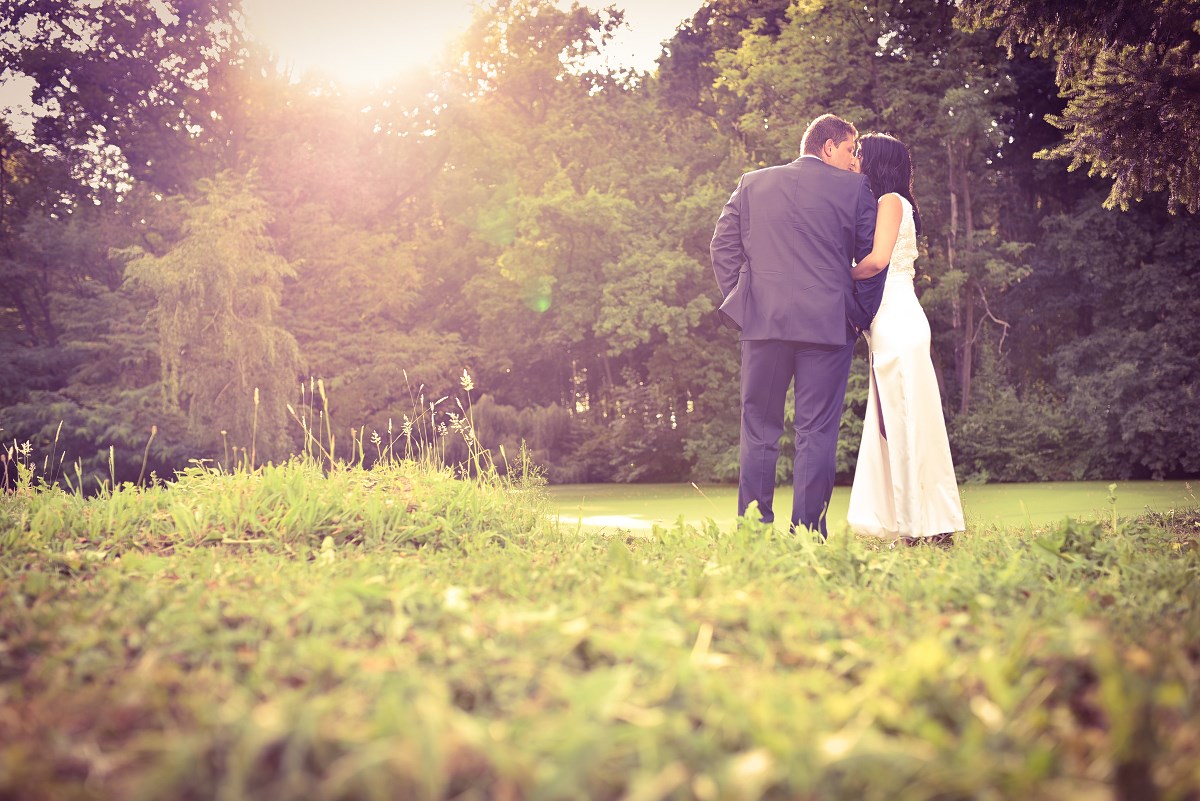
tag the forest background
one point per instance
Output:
(192, 238)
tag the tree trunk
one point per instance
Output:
(951, 251)
(18, 302)
(960, 192)
(968, 207)
(968, 352)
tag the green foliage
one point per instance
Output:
(639, 438)
(1006, 438)
(550, 433)
(1130, 73)
(216, 294)
(127, 89)
(688, 73)
(525, 52)
(1129, 368)
(285, 634)
(547, 225)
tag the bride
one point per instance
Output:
(904, 486)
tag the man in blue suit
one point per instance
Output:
(782, 253)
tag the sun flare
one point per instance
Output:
(357, 41)
(360, 42)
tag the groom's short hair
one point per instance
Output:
(823, 128)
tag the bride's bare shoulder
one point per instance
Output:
(891, 201)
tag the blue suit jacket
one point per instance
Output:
(782, 253)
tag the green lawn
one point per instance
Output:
(291, 635)
(639, 506)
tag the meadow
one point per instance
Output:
(398, 633)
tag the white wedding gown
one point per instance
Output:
(904, 484)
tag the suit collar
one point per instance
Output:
(814, 163)
(808, 158)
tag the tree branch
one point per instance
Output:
(1002, 323)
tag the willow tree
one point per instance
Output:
(226, 363)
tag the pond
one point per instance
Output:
(641, 506)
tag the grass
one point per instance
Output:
(640, 506)
(294, 633)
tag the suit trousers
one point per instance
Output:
(819, 373)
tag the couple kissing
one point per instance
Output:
(808, 256)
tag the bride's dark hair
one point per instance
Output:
(886, 163)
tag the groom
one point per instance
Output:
(782, 253)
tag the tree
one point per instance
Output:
(124, 86)
(522, 52)
(523, 211)
(347, 176)
(26, 284)
(225, 361)
(688, 71)
(1127, 365)
(94, 387)
(547, 227)
(1130, 72)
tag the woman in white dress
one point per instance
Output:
(904, 485)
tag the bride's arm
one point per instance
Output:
(887, 229)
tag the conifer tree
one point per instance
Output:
(1130, 73)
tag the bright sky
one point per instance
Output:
(358, 40)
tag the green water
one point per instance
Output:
(640, 506)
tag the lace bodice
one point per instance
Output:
(905, 252)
